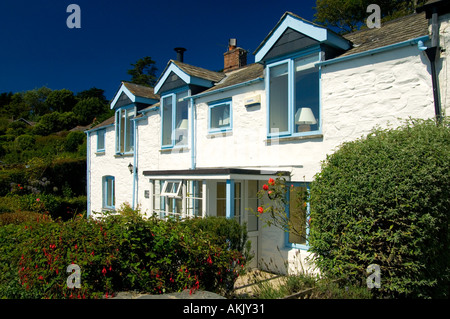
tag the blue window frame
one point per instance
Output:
(298, 212)
(174, 119)
(125, 130)
(101, 140)
(108, 190)
(219, 116)
(293, 96)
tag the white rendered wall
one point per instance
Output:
(107, 163)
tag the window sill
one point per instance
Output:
(176, 149)
(277, 140)
(99, 153)
(219, 134)
(124, 155)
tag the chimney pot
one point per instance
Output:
(180, 53)
(235, 57)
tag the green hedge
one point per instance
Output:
(118, 253)
(384, 200)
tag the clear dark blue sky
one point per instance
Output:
(38, 49)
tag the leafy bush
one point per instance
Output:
(384, 200)
(73, 140)
(116, 253)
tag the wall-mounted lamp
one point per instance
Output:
(130, 168)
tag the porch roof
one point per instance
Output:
(214, 173)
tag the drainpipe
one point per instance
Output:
(433, 54)
(88, 173)
(192, 135)
(135, 152)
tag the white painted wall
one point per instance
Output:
(108, 164)
(443, 64)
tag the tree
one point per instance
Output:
(61, 100)
(349, 15)
(92, 92)
(88, 108)
(143, 72)
(36, 100)
(384, 200)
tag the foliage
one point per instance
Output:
(350, 15)
(273, 211)
(54, 122)
(73, 141)
(384, 199)
(61, 100)
(88, 108)
(143, 72)
(115, 253)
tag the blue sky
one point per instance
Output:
(38, 49)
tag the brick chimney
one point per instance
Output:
(235, 57)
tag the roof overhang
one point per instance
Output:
(134, 98)
(214, 173)
(318, 33)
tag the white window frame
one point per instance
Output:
(171, 193)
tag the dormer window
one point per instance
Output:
(174, 112)
(125, 130)
(293, 95)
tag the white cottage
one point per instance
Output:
(202, 143)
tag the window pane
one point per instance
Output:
(108, 192)
(278, 103)
(220, 116)
(306, 103)
(252, 219)
(194, 198)
(237, 202)
(100, 140)
(181, 120)
(297, 214)
(117, 128)
(129, 131)
(221, 199)
(167, 121)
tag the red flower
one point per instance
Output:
(260, 210)
(37, 199)
(104, 271)
(271, 181)
(265, 187)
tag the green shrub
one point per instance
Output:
(384, 200)
(73, 140)
(116, 253)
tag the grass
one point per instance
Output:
(309, 286)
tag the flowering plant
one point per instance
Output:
(273, 211)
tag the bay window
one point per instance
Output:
(125, 130)
(174, 115)
(294, 97)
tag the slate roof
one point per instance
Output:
(244, 74)
(141, 90)
(391, 32)
(198, 71)
(106, 122)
